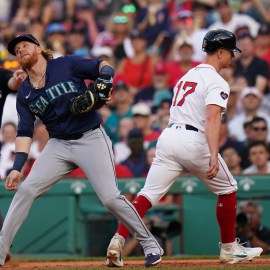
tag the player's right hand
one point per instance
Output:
(12, 180)
(214, 167)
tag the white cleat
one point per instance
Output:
(114, 251)
(235, 252)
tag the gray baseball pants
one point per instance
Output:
(93, 154)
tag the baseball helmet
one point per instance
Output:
(219, 39)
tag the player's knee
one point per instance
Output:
(27, 191)
(113, 202)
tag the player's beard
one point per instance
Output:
(30, 61)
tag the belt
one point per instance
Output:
(187, 127)
(74, 136)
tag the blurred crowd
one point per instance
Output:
(151, 44)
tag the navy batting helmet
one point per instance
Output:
(219, 39)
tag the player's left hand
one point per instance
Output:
(214, 167)
(12, 180)
(19, 75)
(103, 86)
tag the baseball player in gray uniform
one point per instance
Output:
(55, 92)
(191, 143)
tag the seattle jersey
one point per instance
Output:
(199, 87)
(64, 80)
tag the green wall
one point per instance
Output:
(70, 220)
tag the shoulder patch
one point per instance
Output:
(224, 95)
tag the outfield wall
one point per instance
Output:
(70, 220)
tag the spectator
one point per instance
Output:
(56, 39)
(249, 65)
(202, 13)
(262, 44)
(119, 26)
(186, 29)
(160, 85)
(123, 101)
(105, 53)
(230, 21)
(259, 158)
(9, 82)
(9, 132)
(161, 110)
(249, 8)
(256, 130)
(259, 129)
(152, 19)
(30, 11)
(83, 19)
(121, 149)
(226, 139)
(76, 43)
(251, 100)
(237, 85)
(137, 70)
(232, 158)
(102, 10)
(135, 165)
(249, 227)
(178, 68)
(142, 119)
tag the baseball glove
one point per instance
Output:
(85, 102)
(103, 86)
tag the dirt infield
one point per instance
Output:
(173, 264)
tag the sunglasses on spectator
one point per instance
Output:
(120, 19)
(259, 128)
(129, 8)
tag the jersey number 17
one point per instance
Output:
(186, 89)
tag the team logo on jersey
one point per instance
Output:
(224, 95)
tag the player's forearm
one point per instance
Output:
(212, 128)
(13, 84)
(212, 133)
(23, 144)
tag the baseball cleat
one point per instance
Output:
(152, 259)
(114, 251)
(235, 252)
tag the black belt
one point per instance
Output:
(188, 127)
(74, 136)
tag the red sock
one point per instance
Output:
(226, 216)
(141, 204)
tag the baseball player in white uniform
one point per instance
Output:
(191, 143)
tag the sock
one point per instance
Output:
(141, 204)
(226, 217)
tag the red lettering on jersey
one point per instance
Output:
(178, 90)
(187, 85)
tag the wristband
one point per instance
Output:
(19, 161)
(107, 70)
